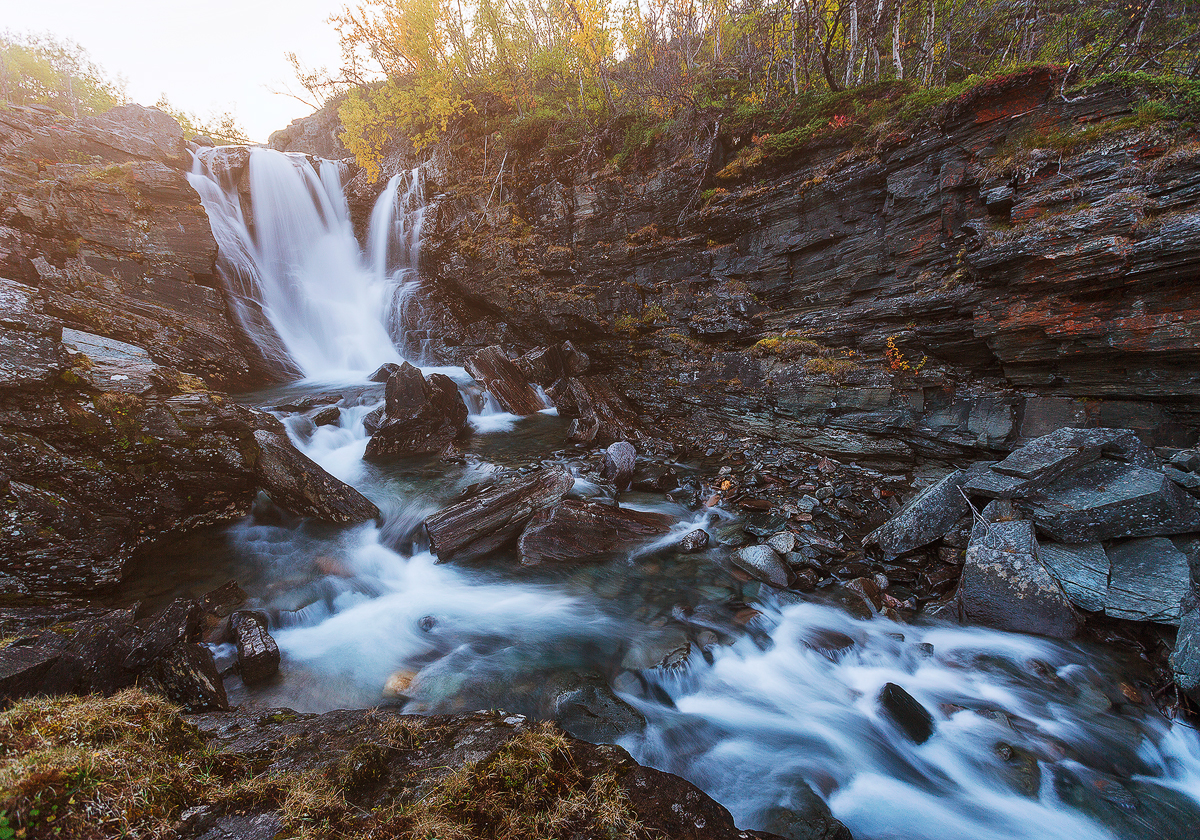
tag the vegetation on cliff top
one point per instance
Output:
(423, 69)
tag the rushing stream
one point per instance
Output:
(1031, 738)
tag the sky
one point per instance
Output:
(206, 57)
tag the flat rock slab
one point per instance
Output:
(762, 563)
(1004, 585)
(1149, 578)
(575, 531)
(489, 520)
(1109, 499)
(1081, 570)
(924, 519)
(1185, 659)
(114, 365)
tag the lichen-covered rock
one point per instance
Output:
(924, 519)
(421, 415)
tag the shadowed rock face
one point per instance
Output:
(972, 321)
(97, 215)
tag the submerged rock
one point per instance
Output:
(492, 519)
(574, 531)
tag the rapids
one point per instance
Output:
(1031, 738)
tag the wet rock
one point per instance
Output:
(761, 562)
(330, 416)
(297, 483)
(258, 655)
(783, 542)
(1004, 584)
(867, 590)
(807, 817)
(694, 540)
(187, 674)
(384, 372)
(586, 708)
(422, 415)
(1149, 578)
(1110, 499)
(182, 621)
(619, 459)
(575, 531)
(504, 381)
(1082, 570)
(489, 520)
(907, 713)
(374, 420)
(655, 478)
(925, 518)
(600, 414)
(547, 365)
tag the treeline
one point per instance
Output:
(41, 69)
(417, 66)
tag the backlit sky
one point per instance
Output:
(205, 56)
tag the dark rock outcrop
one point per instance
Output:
(504, 381)
(599, 413)
(295, 482)
(421, 415)
(493, 518)
(619, 460)
(257, 653)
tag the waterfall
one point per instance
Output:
(302, 286)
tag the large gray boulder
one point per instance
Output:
(1004, 585)
(1110, 499)
(1148, 580)
(763, 563)
(924, 519)
(1082, 571)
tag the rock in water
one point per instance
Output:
(1185, 659)
(296, 482)
(485, 522)
(924, 519)
(693, 540)
(619, 460)
(187, 674)
(504, 381)
(421, 415)
(574, 531)
(384, 372)
(1004, 584)
(761, 562)
(258, 655)
(907, 713)
(600, 415)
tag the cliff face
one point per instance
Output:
(1017, 262)
(97, 215)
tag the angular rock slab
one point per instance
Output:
(483, 523)
(1108, 499)
(1149, 579)
(1185, 659)
(1004, 585)
(258, 655)
(296, 482)
(112, 365)
(504, 381)
(1081, 570)
(574, 531)
(924, 519)
(421, 415)
(762, 563)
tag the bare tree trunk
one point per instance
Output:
(930, 27)
(876, 24)
(851, 44)
(795, 50)
(897, 64)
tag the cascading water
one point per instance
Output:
(331, 311)
(1031, 738)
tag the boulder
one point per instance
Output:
(421, 415)
(1004, 585)
(504, 381)
(574, 531)
(1185, 659)
(693, 540)
(761, 562)
(806, 817)
(586, 708)
(384, 372)
(1148, 580)
(181, 621)
(655, 478)
(1081, 570)
(547, 365)
(187, 674)
(599, 414)
(913, 719)
(619, 461)
(297, 483)
(1109, 499)
(924, 519)
(258, 655)
(493, 518)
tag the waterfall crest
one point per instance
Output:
(303, 287)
